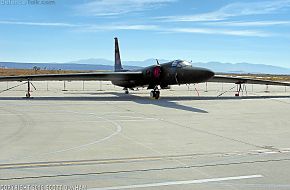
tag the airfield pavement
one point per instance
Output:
(93, 136)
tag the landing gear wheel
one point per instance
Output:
(126, 90)
(27, 95)
(155, 94)
(152, 94)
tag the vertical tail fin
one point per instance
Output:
(118, 64)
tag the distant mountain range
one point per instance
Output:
(104, 64)
(64, 66)
(244, 68)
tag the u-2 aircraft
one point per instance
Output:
(155, 77)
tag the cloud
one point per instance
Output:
(117, 7)
(155, 28)
(96, 28)
(54, 24)
(250, 23)
(245, 33)
(84, 27)
(234, 10)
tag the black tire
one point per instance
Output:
(152, 94)
(157, 95)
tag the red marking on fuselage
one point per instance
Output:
(156, 72)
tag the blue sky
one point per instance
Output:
(202, 31)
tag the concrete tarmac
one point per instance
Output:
(93, 136)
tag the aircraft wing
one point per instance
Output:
(104, 76)
(239, 80)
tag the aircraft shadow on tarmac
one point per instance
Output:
(165, 101)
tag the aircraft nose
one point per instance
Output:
(206, 73)
(196, 74)
(209, 73)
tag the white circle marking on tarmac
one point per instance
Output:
(117, 131)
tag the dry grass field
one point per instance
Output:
(263, 76)
(17, 72)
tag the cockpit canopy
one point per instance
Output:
(181, 63)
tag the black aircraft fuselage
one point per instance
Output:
(172, 73)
